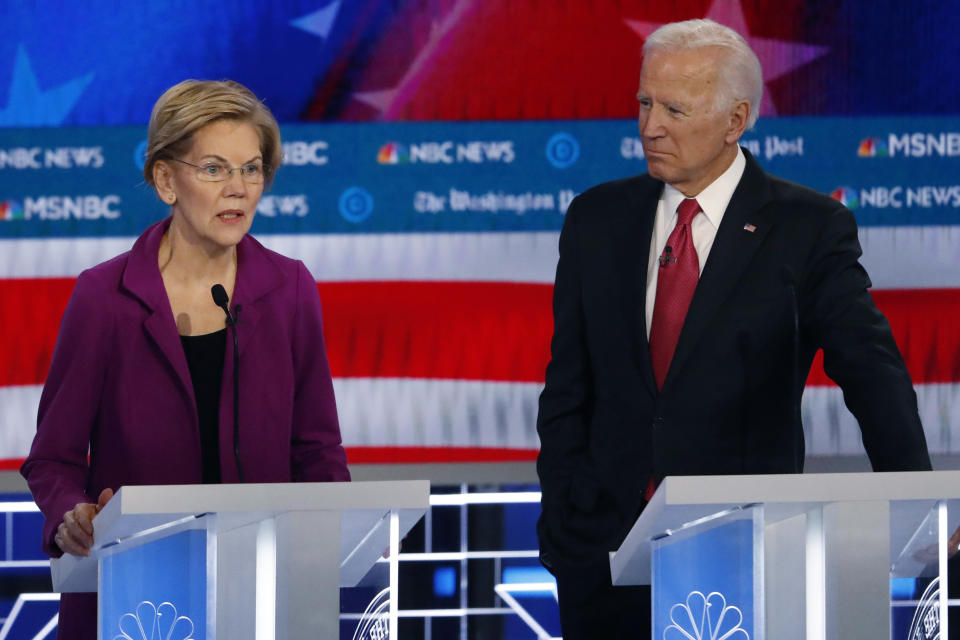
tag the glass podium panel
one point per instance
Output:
(925, 579)
(157, 585)
(915, 583)
(365, 608)
(708, 578)
(368, 606)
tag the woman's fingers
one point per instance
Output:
(104, 498)
(75, 533)
(69, 544)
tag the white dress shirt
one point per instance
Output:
(713, 201)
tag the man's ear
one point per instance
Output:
(163, 182)
(739, 117)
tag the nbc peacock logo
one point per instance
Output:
(11, 210)
(872, 147)
(149, 622)
(847, 196)
(705, 618)
(393, 153)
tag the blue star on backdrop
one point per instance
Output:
(319, 22)
(93, 64)
(30, 106)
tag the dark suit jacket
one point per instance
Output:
(725, 407)
(119, 387)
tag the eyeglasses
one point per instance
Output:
(251, 173)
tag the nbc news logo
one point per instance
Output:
(847, 196)
(393, 153)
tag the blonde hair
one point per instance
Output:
(741, 77)
(188, 106)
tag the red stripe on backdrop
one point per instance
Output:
(454, 330)
(30, 312)
(412, 455)
(401, 455)
(926, 326)
(10, 464)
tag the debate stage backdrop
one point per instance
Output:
(431, 148)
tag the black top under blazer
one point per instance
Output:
(725, 407)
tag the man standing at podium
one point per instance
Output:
(689, 303)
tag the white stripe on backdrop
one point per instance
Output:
(895, 257)
(415, 412)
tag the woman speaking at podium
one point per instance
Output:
(145, 376)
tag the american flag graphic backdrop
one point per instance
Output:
(434, 244)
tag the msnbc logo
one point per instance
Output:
(872, 147)
(847, 197)
(11, 210)
(393, 153)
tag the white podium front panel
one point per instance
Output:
(829, 542)
(265, 561)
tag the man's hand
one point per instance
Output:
(75, 533)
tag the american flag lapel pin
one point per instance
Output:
(750, 227)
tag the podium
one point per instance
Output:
(788, 557)
(265, 561)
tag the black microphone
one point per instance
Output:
(221, 299)
(790, 282)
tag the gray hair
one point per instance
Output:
(741, 77)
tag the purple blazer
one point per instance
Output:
(119, 387)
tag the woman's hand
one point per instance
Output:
(75, 533)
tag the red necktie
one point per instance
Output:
(676, 281)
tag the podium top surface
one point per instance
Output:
(807, 488)
(274, 497)
(136, 509)
(682, 500)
